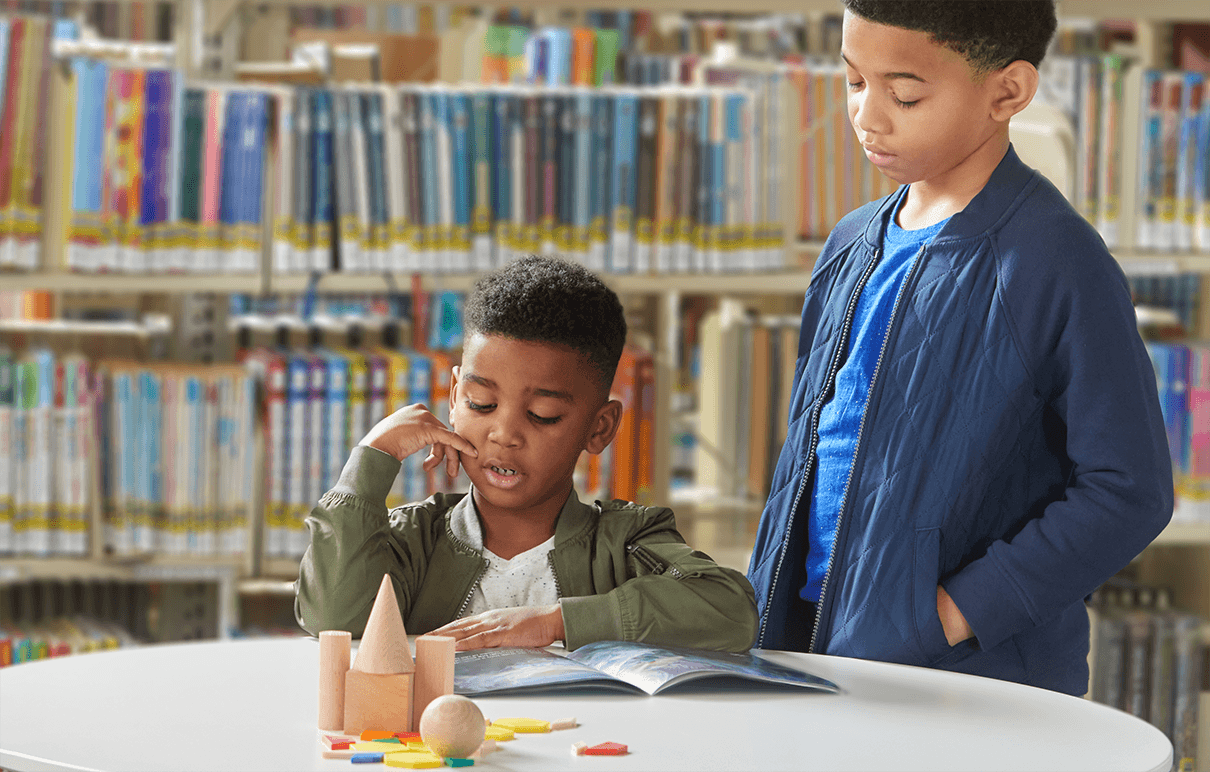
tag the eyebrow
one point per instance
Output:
(490, 384)
(890, 75)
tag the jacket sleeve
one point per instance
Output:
(353, 543)
(1096, 384)
(673, 596)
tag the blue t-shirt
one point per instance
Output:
(840, 418)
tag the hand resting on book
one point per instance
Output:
(521, 627)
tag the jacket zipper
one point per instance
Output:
(550, 558)
(469, 593)
(833, 366)
(653, 564)
(844, 498)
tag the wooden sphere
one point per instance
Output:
(452, 726)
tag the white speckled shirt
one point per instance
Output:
(525, 580)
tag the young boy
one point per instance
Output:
(520, 561)
(975, 440)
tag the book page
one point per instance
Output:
(654, 668)
(499, 670)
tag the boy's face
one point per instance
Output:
(529, 408)
(915, 105)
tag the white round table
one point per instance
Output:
(252, 705)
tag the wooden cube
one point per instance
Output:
(374, 701)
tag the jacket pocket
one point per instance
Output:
(930, 635)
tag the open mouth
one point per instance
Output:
(499, 476)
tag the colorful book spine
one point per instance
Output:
(443, 181)
(1109, 181)
(504, 139)
(420, 380)
(581, 179)
(189, 220)
(397, 171)
(303, 236)
(372, 114)
(321, 192)
(462, 184)
(1170, 132)
(625, 157)
(8, 447)
(482, 139)
(645, 174)
(210, 237)
(1186, 160)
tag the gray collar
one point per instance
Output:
(465, 526)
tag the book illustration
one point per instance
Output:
(616, 665)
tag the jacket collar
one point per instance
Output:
(1008, 181)
(574, 518)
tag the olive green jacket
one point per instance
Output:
(623, 572)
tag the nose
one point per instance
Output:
(507, 428)
(867, 115)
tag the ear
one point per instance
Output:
(1012, 89)
(604, 426)
(453, 393)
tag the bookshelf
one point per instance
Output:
(199, 22)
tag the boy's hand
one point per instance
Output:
(953, 622)
(523, 627)
(410, 429)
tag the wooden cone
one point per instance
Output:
(384, 644)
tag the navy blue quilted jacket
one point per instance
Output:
(1012, 450)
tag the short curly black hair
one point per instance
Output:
(551, 300)
(989, 35)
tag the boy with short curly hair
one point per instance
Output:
(975, 439)
(520, 560)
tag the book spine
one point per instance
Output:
(688, 172)
(548, 164)
(431, 257)
(397, 172)
(345, 206)
(462, 170)
(1186, 170)
(8, 446)
(296, 493)
(1109, 181)
(85, 227)
(718, 184)
(625, 136)
(532, 183)
(1170, 130)
(443, 139)
(645, 173)
(303, 204)
(1202, 181)
(581, 178)
(372, 114)
(664, 221)
(42, 461)
(416, 170)
(321, 116)
(230, 181)
(210, 241)
(338, 418)
(483, 140)
(503, 122)
(420, 379)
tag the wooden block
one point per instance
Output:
(334, 647)
(499, 733)
(563, 723)
(376, 734)
(337, 742)
(523, 725)
(577, 749)
(606, 749)
(375, 701)
(366, 758)
(384, 644)
(378, 746)
(342, 753)
(413, 760)
(434, 670)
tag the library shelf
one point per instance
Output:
(153, 568)
(174, 283)
(1184, 533)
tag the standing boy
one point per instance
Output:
(975, 439)
(520, 560)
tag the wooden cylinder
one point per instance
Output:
(334, 648)
(434, 671)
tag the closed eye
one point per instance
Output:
(544, 420)
(477, 407)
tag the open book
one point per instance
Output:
(614, 664)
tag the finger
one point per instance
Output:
(487, 639)
(451, 462)
(457, 441)
(431, 461)
(455, 630)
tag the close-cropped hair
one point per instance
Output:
(551, 300)
(990, 34)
